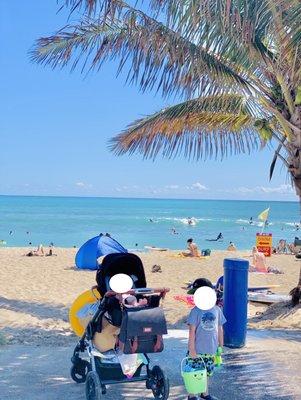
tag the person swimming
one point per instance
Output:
(251, 221)
(219, 237)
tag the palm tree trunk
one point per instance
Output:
(294, 159)
(296, 292)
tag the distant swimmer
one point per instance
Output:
(219, 237)
(266, 223)
(190, 221)
(251, 221)
(10, 232)
(174, 232)
(151, 220)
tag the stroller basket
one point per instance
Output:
(113, 371)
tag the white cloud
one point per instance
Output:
(125, 188)
(198, 186)
(173, 187)
(282, 189)
(83, 185)
(245, 190)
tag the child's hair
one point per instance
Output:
(190, 240)
(202, 282)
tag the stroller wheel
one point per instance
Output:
(79, 371)
(93, 386)
(159, 383)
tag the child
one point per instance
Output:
(205, 335)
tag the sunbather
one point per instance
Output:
(38, 252)
(231, 247)
(192, 249)
(281, 247)
(292, 248)
(258, 261)
(259, 264)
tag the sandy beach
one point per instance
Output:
(36, 292)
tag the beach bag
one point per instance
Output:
(141, 330)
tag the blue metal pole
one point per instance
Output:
(235, 301)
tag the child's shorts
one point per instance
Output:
(197, 363)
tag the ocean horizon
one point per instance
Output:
(69, 221)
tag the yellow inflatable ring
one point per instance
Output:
(88, 297)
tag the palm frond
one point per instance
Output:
(90, 7)
(156, 56)
(213, 126)
(247, 32)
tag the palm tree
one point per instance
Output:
(234, 64)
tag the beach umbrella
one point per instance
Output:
(101, 245)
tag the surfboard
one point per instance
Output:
(250, 289)
(262, 288)
(153, 248)
(88, 297)
(267, 298)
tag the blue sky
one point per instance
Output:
(55, 127)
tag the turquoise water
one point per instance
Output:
(70, 221)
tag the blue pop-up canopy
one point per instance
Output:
(87, 255)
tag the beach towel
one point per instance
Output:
(179, 255)
(271, 270)
(187, 299)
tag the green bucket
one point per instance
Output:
(195, 381)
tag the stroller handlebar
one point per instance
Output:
(161, 291)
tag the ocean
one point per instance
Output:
(135, 223)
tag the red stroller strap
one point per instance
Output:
(158, 344)
(134, 344)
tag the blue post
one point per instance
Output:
(235, 301)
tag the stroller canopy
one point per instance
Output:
(87, 255)
(126, 263)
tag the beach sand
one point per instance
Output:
(36, 292)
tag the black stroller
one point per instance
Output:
(141, 330)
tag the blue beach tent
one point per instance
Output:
(87, 255)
